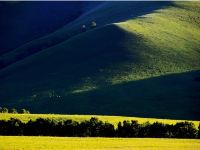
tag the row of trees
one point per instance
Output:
(14, 111)
(97, 128)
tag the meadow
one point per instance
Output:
(68, 143)
(111, 119)
(142, 59)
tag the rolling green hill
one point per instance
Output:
(103, 13)
(142, 64)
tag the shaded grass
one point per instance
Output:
(173, 96)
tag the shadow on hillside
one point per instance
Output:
(22, 22)
(81, 56)
(110, 12)
(68, 65)
(113, 12)
(38, 82)
(56, 70)
(175, 96)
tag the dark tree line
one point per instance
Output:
(97, 128)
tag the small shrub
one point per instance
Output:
(4, 110)
(93, 24)
(13, 111)
(24, 111)
(83, 28)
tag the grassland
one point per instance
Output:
(64, 143)
(111, 119)
(173, 38)
(137, 65)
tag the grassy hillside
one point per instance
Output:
(103, 13)
(67, 143)
(141, 65)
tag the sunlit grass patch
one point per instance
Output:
(65, 143)
(111, 119)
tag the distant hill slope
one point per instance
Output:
(26, 21)
(141, 65)
(101, 12)
(22, 22)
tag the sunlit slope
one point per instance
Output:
(170, 39)
(122, 68)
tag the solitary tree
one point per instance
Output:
(83, 28)
(4, 110)
(93, 24)
(24, 111)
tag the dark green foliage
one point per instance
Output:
(11, 127)
(40, 126)
(13, 111)
(97, 128)
(128, 129)
(108, 130)
(69, 128)
(93, 24)
(24, 111)
(184, 130)
(133, 129)
(158, 130)
(3, 110)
